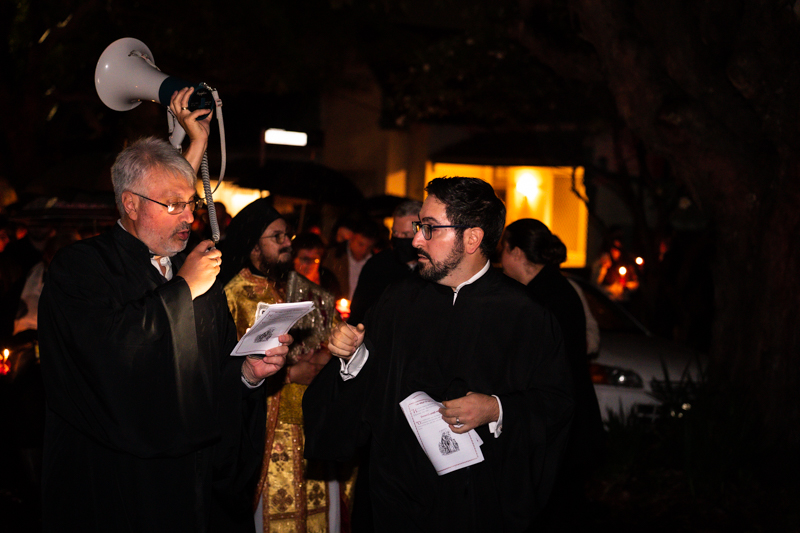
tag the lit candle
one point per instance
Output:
(343, 306)
(622, 272)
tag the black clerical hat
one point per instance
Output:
(242, 235)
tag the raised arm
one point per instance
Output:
(196, 130)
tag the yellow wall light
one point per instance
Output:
(529, 185)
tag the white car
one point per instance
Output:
(635, 373)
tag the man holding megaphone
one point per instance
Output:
(151, 425)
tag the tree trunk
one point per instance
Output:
(724, 118)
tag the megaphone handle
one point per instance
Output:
(221, 123)
(177, 134)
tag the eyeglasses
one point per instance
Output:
(280, 237)
(309, 260)
(427, 229)
(176, 208)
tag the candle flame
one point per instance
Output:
(343, 306)
(623, 271)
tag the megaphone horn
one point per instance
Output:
(126, 76)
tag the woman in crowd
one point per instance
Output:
(532, 255)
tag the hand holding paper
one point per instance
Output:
(470, 411)
(257, 367)
(275, 320)
(447, 451)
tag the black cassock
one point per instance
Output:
(551, 289)
(379, 272)
(149, 427)
(493, 340)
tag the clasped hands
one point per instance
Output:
(463, 414)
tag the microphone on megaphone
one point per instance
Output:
(126, 75)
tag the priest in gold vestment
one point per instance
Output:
(292, 495)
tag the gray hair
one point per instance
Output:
(406, 208)
(136, 161)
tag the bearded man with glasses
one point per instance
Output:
(469, 337)
(290, 496)
(149, 422)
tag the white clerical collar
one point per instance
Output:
(473, 279)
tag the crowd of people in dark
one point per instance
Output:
(134, 416)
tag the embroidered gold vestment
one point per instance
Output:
(293, 492)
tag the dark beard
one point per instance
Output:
(435, 272)
(277, 271)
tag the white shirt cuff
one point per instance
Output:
(249, 386)
(497, 427)
(351, 367)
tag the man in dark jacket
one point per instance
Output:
(470, 338)
(347, 259)
(151, 425)
(387, 266)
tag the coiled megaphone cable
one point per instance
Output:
(212, 209)
(209, 194)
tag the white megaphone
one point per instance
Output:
(126, 75)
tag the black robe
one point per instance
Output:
(584, 447)
(494, 340)
(553, 291)
(382, 269)
(149, 427)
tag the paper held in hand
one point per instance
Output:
(446, 450)
(272, 321)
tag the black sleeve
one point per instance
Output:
(540, 415)
(123, 371)
(367, 292)
(333, 411)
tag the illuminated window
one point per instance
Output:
(396, 183)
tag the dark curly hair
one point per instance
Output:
(471, 202)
